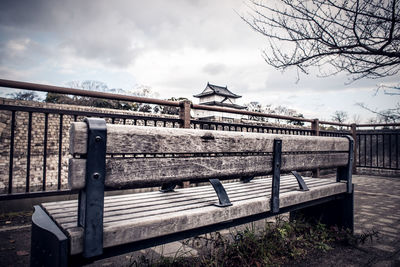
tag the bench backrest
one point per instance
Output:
(139, 156)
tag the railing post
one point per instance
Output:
(184, 115)
(315, 127)
(315, 132)
(354, 135)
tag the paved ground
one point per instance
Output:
(377, 207)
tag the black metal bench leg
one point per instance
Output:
(49, 245)
(302, 185)
(168, 187)
(338, 212)
(276, 175)
(221, 193)
(91, 199)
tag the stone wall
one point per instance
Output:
(37, 143)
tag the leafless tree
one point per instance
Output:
(357, 37)
(269, 109)
(390, 115)
(340, 116)
(257, 107)
(389, 89)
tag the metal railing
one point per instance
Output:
(43, 161)
(378, 149)
(37, 147)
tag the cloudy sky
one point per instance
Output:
(175, 47)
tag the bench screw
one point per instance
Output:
(98, 138)
(96, 175)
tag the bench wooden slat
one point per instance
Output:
(141, 172)
(140, 139)
(127, 227)
(153, 198)
(132, 211)
(176, 198)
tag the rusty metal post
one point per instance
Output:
(354, 135)
(315, 127)
(315, 132)
(184, 115)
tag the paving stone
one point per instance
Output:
(384, 247)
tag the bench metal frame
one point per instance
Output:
(49, 245)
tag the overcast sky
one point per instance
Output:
(175, 47)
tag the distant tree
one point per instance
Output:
(25, 95)
(327, 128)
(390, 115)
(255, 106)
(269, 109)
(91, 85)
(297, 123)
(92, 101)
(360, 37)
(58, 99)
(144, 91)
(171, 110)
(340, 117)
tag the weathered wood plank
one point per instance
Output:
(141, 172)
(146, 227)
(138, 202)
(140, 139)
(130, 211)
(142, 200)
(134, 208)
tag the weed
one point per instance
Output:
(273, 245)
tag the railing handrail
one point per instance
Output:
(80, 92)
(378, 125)
(251, 113)
(71, 112)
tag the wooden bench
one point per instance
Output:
(119, 157)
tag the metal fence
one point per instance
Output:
(240, 127)
(378, 149)
(37, 142)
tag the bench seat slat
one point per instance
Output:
(129, 227)
(141, 172)
(67, 212)
(140, 139)
(131, 213)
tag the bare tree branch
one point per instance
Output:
(387, 115)
(361, 38)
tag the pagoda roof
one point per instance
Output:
(217, 90)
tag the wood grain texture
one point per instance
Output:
(146, 172)
(140, 139)
(140, 216)
(132, 207)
